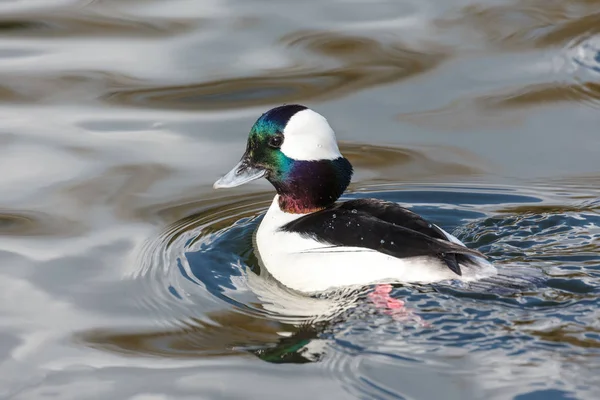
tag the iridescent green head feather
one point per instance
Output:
(296, 150)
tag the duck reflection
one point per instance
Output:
(228, 334)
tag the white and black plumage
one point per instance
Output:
(311, 242)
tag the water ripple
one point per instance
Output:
(87, 22)
(26, 223)
(361, 63)
(202, 281)
(529, 24)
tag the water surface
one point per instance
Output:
(125, 276)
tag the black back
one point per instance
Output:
(382, 226)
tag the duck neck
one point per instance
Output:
(310, 186)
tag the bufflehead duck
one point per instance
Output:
(310, 242)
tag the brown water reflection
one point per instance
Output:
(544, 94)
(228, 334)
(571, 334)
(529, 24)
(82, 22)
(27, 223)
(563, 76)
(487, 110)
(49, 88)
(409, 165)
(362, 63)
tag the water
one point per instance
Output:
(123, 275)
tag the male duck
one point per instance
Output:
(311, 243)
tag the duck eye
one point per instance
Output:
(276, 141)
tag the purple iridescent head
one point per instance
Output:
(296, 150)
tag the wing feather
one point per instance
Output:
(381, 226)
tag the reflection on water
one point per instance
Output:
(82, 22)
(530, 23)
(123, 274)
(402, 164)
(580, 59)
(358, 63)
(35, 224)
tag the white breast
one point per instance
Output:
(309, 266)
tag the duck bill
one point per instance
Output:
(243, 172)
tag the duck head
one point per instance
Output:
(296, 150)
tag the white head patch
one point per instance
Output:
(308, 136)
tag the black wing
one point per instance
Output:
(382, 226)
(393, 213)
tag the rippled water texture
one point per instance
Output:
(124, 275)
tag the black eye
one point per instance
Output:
(276, 141)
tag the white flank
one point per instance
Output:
(308, 137)
(309, 266)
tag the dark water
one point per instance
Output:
(123, 275)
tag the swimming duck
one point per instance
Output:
(310, 242)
